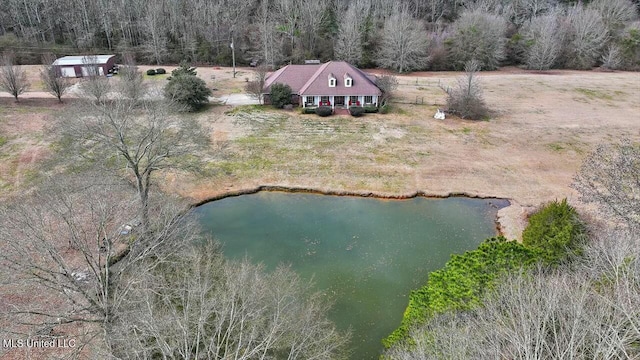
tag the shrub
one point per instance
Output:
(370, 109)
(187, 90)
(280, 95)
(465, 100)
(555, 230)
(630, 47)
(463, 281)
(587, 38)
(356, 111)
(151, 72)
(384, 109)
(161, 71)
(309, 110)
(324, 111)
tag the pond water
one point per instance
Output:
(366, 253)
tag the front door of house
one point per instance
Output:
(339, 100)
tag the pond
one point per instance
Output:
(366, 253)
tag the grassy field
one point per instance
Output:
(541, 127)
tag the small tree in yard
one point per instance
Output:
(280, 95)
(465, 100)
(187, 90)
(387, 84)
(131, 81)
(255, 88)
(13, 79)
(56, 85)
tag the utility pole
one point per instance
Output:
(233, 55)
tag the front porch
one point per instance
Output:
(339, 102)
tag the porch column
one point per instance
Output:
(332, 100)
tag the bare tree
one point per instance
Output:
(403, 43)
(348, 45)
(479, 36)
(587, 37)
(388, 85)
(615, 13)
(312, 16)
(13, 79)
(543, 40)
(255, 87)
(131, 83)
(155, 30)
(612, 58)
(609, 178)
(266, 39)
(209, 308)
(465, 99)
(55, 84)
(140, 138)
(76, 241)
(287, 15)
(95, 84)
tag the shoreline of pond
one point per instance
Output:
(507, 220)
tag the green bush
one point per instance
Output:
(384, 109)
(463, 281)
(555, 230)
(309, 110)
(324, 111)
(370, 109)
(630, 48)
(356, 111)
(280, 95)
(187, 90)
(161, 71)
(151, 72)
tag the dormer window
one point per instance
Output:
(332, 80)
(348, 80)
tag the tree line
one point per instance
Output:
(399, 35)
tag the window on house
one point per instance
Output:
(353, 100)
(347, 82)
(324, 100)
(368, 99)
(309, 100)
(332, 82)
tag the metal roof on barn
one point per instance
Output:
(82, 60)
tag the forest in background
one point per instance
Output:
(402, 35)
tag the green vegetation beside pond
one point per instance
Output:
(554, 232)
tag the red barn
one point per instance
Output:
(85, 65)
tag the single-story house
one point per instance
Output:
(79, 66)
(336, 83)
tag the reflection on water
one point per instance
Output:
(365, 254)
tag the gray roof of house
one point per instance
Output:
(82, 59)
(314, 79)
